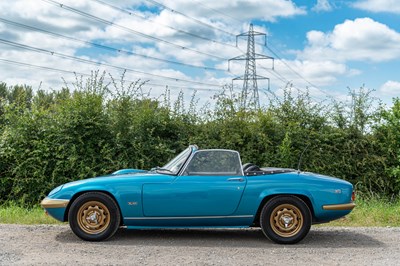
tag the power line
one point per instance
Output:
(104, 46)
(229, 33)
(276, 74)
(52, 69)
(186, 16)
(286, 81)
(281, 78)
(217, 11)
(107, 22)
(155, 38)
(131, 13)
(297, 73)
(81, 60)
(291, 69)
(170, 43)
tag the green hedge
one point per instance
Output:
(49, 138)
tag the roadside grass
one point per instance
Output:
(11, 213)
(367, 213)
(371, 212)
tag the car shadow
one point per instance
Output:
(249, 238)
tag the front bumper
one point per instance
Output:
(339, 207)
(55, 208)
(48, 203)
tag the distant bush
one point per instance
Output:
(49, 138)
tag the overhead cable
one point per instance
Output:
(194, 19)
(110, 23)
(297, 73)
(105, 47)
(132, 13)
(52, 69)
(97, 63)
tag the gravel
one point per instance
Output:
(57, 245)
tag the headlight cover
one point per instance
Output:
(54, 191)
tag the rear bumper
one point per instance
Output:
(339, 207)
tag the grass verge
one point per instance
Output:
(367, 213)
(371, 212)
(14, 214)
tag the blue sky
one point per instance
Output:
(325, 46)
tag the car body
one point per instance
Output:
(202, 188)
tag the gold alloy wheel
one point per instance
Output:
(286, 220)
(93, 217)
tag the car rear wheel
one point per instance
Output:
(285, 219)
(94, 216)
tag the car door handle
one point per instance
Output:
(236, 179)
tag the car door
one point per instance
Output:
(211, 184)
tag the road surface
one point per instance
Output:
(57, 245)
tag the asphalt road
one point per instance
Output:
(57, 245)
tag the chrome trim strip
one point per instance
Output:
(188, 217)
(339, 207)
(48, 203)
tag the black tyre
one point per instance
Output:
(94, 216)
(285, 219)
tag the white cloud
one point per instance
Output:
(311, 73)
(242, 10)
(61, 21)
(387, 6)
(362, 39)
(53, 18)
(390, 88)
(327, 56)
(322, 6)
(322, 62)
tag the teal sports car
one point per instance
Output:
(202, 188)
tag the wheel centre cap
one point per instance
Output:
(92, 218)
(286, 219)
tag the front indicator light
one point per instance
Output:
(353, 196)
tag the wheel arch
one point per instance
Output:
(303, 197)
(76, 195)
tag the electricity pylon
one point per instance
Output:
(250, 97)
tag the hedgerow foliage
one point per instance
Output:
(94, 128)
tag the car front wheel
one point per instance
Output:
(285, 219)
(94, 216)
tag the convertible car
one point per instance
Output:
(202, 188)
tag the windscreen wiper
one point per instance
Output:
(161, 169)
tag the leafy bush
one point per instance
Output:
(94, 128)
